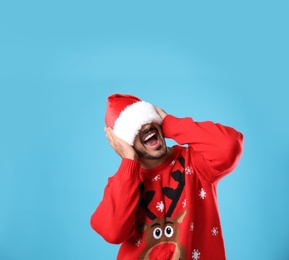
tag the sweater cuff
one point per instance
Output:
(129, 168)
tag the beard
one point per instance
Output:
(160, 152)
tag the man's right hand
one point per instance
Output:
(121, 147)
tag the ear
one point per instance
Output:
(181, 216)
(142, 228)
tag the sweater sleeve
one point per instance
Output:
(217, 147)
(114, 218)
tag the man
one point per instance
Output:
(162, 203)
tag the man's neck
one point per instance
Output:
(152, 163)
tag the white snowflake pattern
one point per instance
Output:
(138, 242)
(173, 162)
(196, 254)
(184, 203)
(160, 206)
(214, 231)
(156, 178)
(189, 170)
(202, 193)
(192, 226)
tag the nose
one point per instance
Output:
(164, 251)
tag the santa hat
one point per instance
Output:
(126, 114)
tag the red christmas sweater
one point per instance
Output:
(171, 211)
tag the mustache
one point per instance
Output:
(147, 131)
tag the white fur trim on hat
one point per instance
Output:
(131, 119)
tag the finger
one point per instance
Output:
(110, 136)
(106, 130)
(109, 133)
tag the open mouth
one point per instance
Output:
(151, 138)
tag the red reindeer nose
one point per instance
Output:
(164, 251)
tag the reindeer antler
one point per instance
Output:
(173, 194)
(148, 198)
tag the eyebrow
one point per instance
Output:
(156, 224)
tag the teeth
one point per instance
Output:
(149, 136)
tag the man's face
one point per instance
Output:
(150, 142)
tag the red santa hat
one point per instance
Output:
(126, 114)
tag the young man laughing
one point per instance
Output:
(162, 202)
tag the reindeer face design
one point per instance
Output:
(162, 239)
(162, 234)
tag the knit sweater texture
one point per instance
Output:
(170, 212)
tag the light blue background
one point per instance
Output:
(225, 61)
